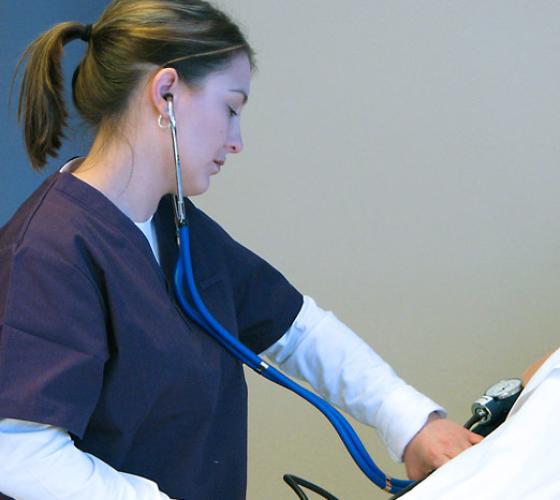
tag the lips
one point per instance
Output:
(220, 163)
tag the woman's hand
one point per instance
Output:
(435, 444)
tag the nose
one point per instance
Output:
(235, 148)
(235, 142)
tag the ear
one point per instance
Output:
(165, 81)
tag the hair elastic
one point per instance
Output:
(86, 33)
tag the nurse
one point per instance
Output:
(106, 389)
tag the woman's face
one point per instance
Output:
(208, 125)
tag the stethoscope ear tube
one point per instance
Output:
(180, 214)
(199, 314)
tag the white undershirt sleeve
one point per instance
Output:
(341, 367)
(40, 462)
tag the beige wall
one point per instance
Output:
(401, 167)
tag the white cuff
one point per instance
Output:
(321, 350)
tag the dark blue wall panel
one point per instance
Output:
(20, 22)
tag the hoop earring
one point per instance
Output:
(160, 122)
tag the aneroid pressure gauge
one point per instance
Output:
(490, 410)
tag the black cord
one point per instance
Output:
(295, 482)
(294, 485)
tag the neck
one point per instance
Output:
(129, 172)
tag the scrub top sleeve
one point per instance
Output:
(267, 303)
(52, 340)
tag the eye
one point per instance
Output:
(232, 112)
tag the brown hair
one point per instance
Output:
(191, 36)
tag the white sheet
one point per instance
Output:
(519, 460)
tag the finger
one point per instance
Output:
(468, 439)
(420, 473)
(413, 472)
(460, 446)
(452, 450)
(426, 473)
(442, 459)
(475, 438)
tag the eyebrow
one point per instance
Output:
(245, 97)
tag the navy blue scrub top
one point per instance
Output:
(92, 341)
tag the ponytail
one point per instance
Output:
(41, 106)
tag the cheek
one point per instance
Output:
(196, 157)
(203, 137)
(210, 122)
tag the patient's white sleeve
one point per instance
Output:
(40, 462)
(520, 460)
(341, 367)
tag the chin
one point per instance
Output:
(197, 189)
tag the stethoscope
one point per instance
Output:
(198, 313)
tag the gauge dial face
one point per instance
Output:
(505, 388)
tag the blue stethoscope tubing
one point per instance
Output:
(199, 313)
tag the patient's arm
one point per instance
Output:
(529, 372)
